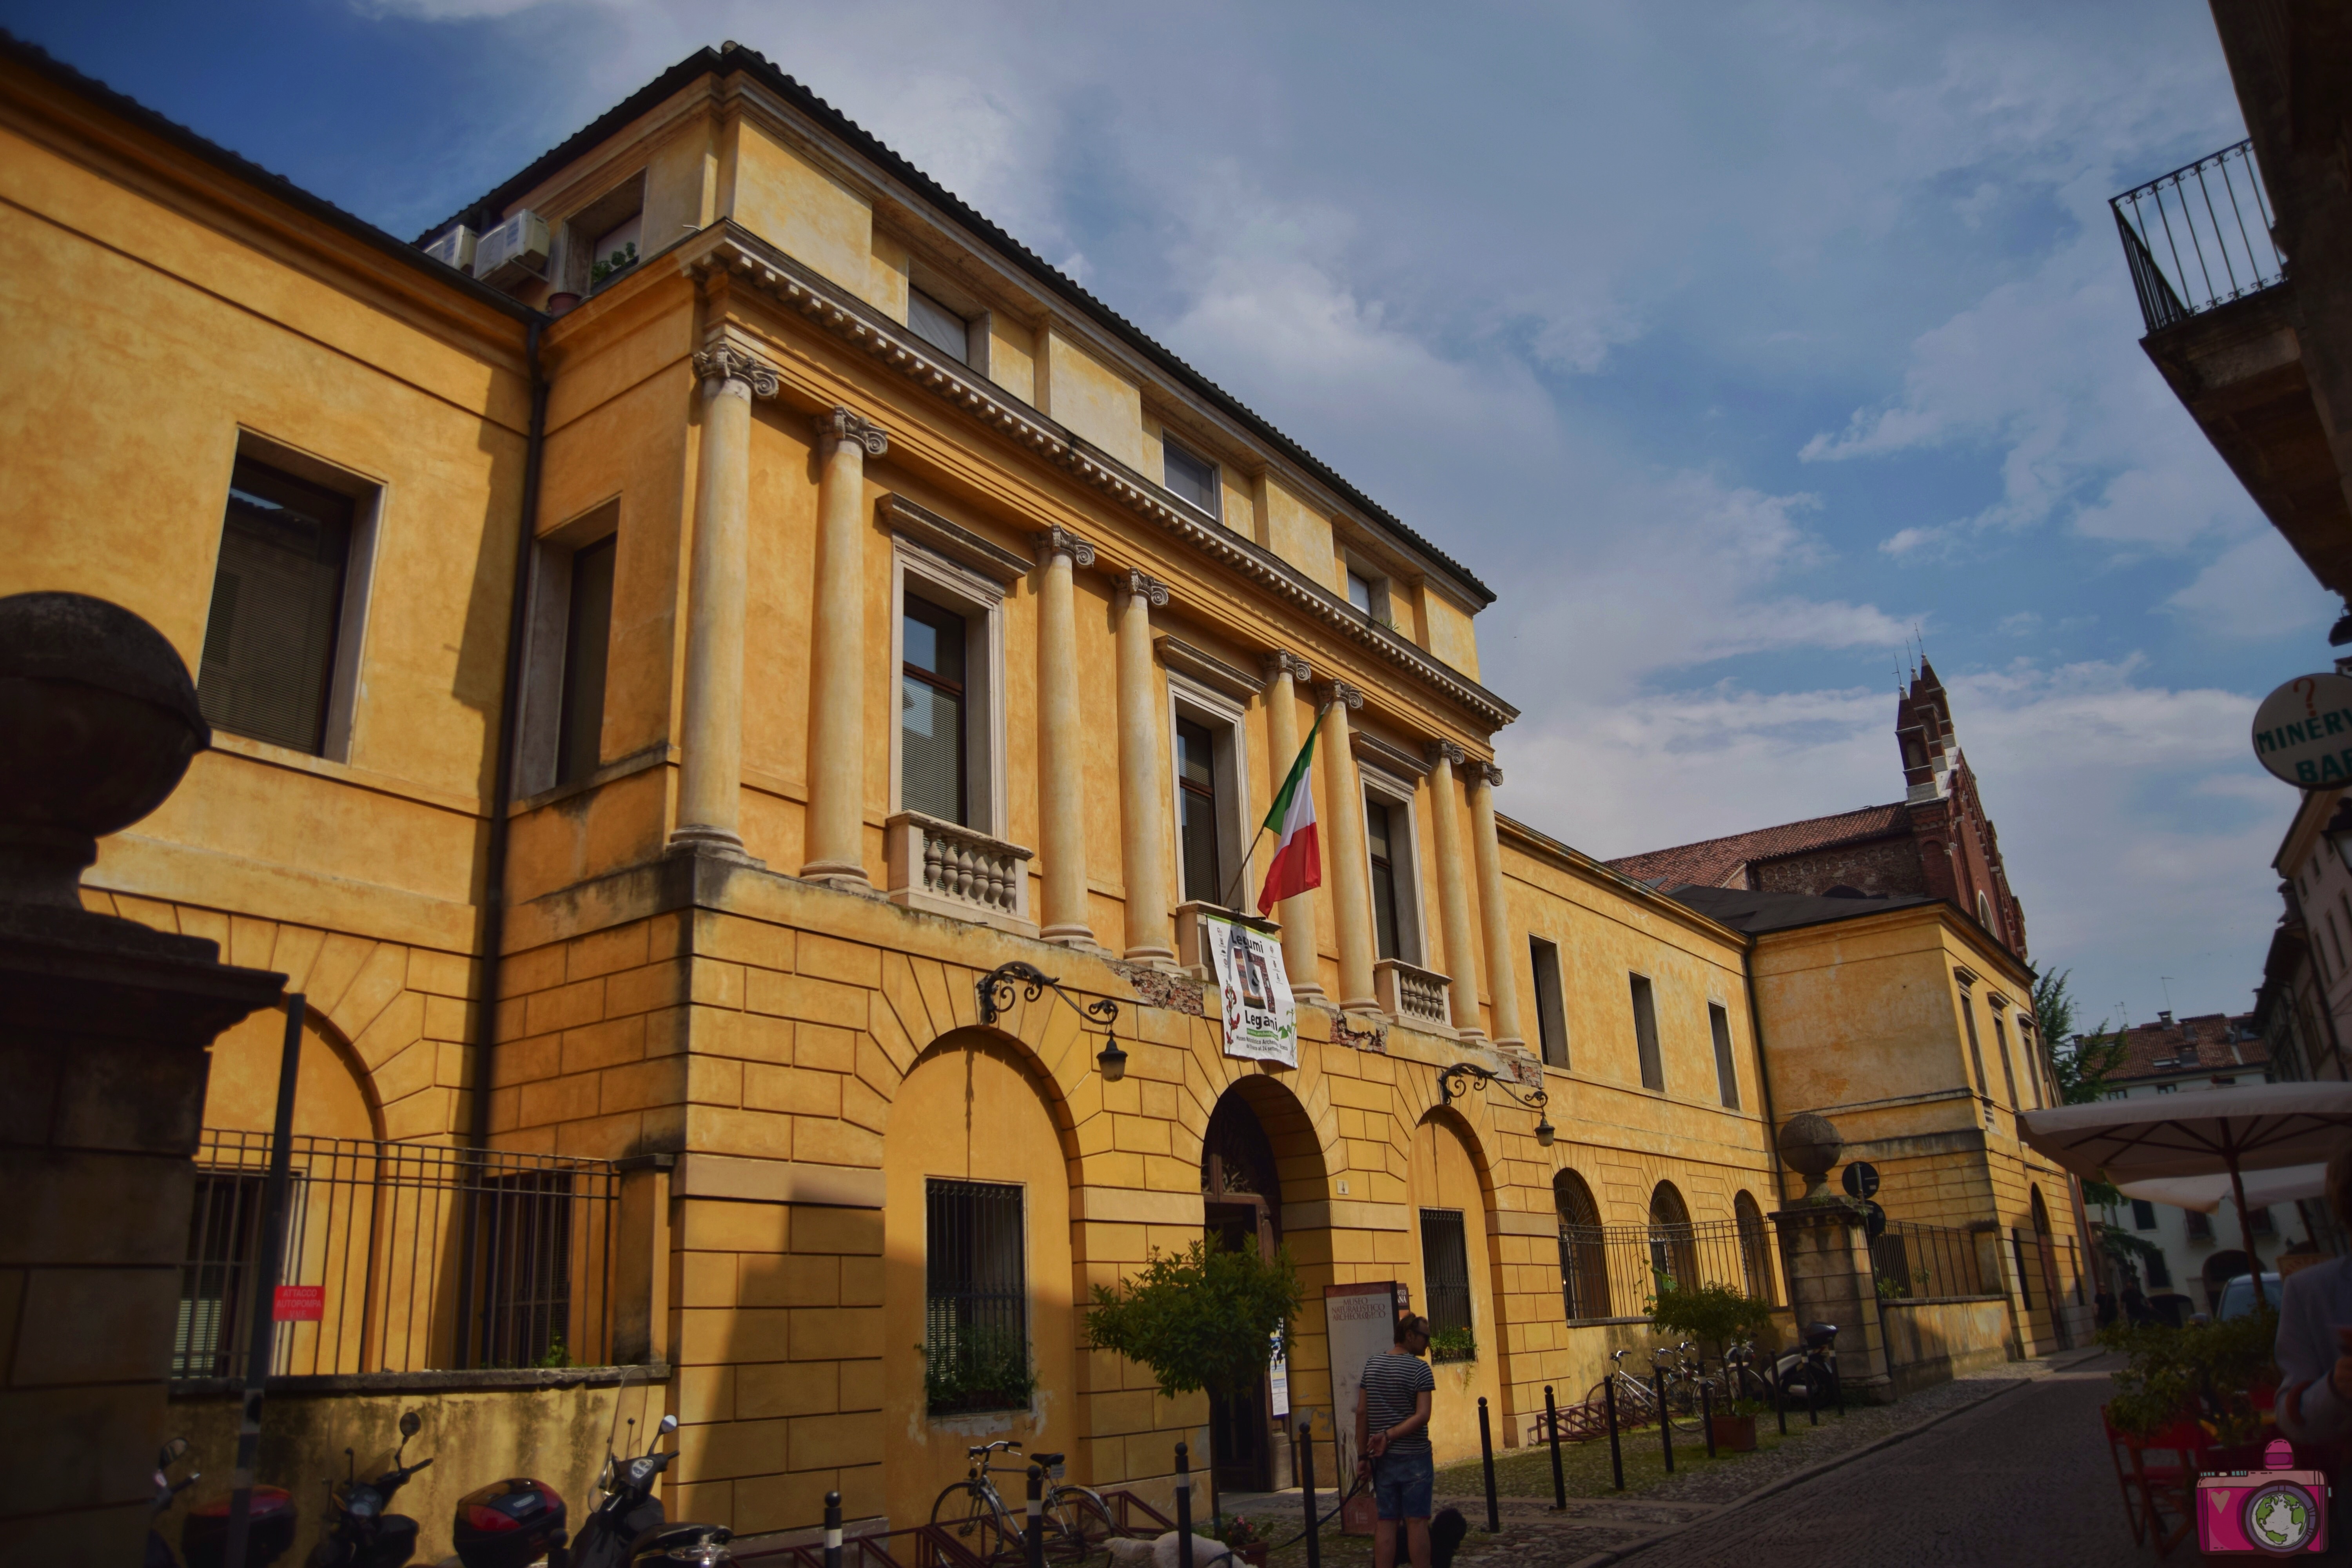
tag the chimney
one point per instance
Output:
(2165, 1018)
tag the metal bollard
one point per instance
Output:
(1306, 1485)
(1183, 1506)
(1559, 1477)
(1032, 1531)
(1837, 1386)
(833, 1526)
(1813, 1400)
(1780, 1400)
(1616, 1456)
(1707, 1413)
(1665, 1421)
(1486, 1455)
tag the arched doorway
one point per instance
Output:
(1674, 1252)
(1583, 1255)
(1241, 1201)
(2044, 1244)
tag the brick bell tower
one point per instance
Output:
(1960, 851)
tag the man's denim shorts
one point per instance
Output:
(1401, 1484)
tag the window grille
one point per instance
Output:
(976, 1319)
(524, 1226)
(1726, 1078)
(1645, 1035)
(587, 638)
(1674, 1252)
(2200, 1225)
(1755, 1247)
(1552, 1021)
(1584, 1249)
(931, 712)
(1446, 1270)
(269, 658)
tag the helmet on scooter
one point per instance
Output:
(507, 1524)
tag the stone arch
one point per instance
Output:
(1583, 1255)
(1449, 1196)
(335, 1095)
(1673, 1253)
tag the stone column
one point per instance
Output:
(1142, 775)
(1349, 866)
(710, 775)
(1494, 910)
(834, 838)
(1061, 744)
(1285, 672)
(1826, 1253)
(1454, 888)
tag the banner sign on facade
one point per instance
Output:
(2303, 731)
(1261, 1018)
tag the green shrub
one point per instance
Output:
(1204, 1318)
(1453, 1345)
(1713, 1315)
(2204, 1373)
(976, 1367)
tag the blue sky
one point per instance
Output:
(1729, 342)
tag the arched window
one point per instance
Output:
(1754, 1247)
(1984, 911)
(1673, 1250)
(1584, 1252)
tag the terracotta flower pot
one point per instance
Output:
(558, 303)
(1254, 1555)
(1737, 1433)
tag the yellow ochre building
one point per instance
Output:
(673, 630)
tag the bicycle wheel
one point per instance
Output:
(966, 1511)
(1077, 1524)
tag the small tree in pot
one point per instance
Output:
(1718, 1317)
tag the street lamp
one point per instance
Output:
(1454, 1084)
(996, 990)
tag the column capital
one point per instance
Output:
(1339, 691)
(1137, 585)
(1062, 542)
(840, 425)
(1282, 661)
(1483, 773)
(723, 362)
(1444, 751)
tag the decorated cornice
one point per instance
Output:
(1280, 661)
(1137, 585)
(841, 425)
(725, 362)
(1062, 542)
(746, 261)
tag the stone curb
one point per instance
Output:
(1619, 1553)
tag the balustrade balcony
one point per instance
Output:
(946, 868)
(1411, 994)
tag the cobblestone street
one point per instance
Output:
(2018, 1477)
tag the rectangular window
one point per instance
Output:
(937, 325)
(1194, 479)
(603, 240)
(587, 639)
(1196, 797)
(2200, 1225)
(267, 670)
(1369, 594)
(931, 711)
(1975, 1051)
(1645, 1035)
(525, 1266)
(2259, 1223)
(2001, 1042)
(1551, 1017)
(1727, 1080)
(2143, 1215)
(1379, 834)
(976, 1298)
(2159, 1274)
(1445, 1274)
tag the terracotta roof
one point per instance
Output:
(1717, 862)
(2191, 1046)
(1756, 912)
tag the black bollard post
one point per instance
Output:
(1616, 1455)
(1306, 1485)
(1559, 1477)
(1665, 1421)
(1707, 1413)
(1183, 1506)
(1032, 1528)
(1780, 1399)
(1813, 1401)
(1486, 1455)
(833, 1526)
(1837, 1386)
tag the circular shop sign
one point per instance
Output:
(2303, 731)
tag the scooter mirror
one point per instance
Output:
(410, 1424)
(668, 1425)
(174, 1452)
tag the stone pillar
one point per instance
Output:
(1826, 1255)
(1285, 672)
(1061, 743)
(1453, 889)
(104, 1027)
(1494, 908)
(710, 776)
(1142, 775)
(1350, 866)
(834, 838)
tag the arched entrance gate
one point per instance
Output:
(1241, 1199)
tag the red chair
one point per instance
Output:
(2158, 1475)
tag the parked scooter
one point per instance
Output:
(167, 1492)
(203, 1534)
(1809, 1372)
(628, 1526)
(363, 1535)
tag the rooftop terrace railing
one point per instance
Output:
(2199, 237)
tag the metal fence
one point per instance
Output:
(378, 1231)
(1924, 1262)
(2199, 237)
(976, 1308)
(1617, 1270)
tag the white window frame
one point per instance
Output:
(1399, 795)
(1189, 698)
(1558, 1000)
(368, 498)
(547, 625)
(981, 601)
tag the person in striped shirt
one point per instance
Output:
(1392, 1402)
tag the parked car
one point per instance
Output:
(2238, 1296)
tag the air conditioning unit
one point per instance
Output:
(513, 252)
(455, 249)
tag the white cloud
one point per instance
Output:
(2256, 588)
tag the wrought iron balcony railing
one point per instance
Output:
(2199, 237)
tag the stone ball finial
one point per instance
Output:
(1810, 1142)
(98, 721)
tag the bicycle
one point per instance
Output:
(1073, 1517)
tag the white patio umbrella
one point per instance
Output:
(2207, 1193)
(2198, 1132)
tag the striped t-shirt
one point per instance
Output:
(1393, 1384)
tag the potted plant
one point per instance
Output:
(2211, 1375)
(1245, 1541)
(1717, 1316)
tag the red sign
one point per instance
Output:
(298, 1304)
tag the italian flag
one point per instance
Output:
(1298, 854)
